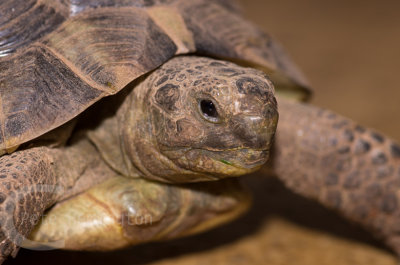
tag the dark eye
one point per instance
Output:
(208, 110)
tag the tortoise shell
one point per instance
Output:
(59, 57)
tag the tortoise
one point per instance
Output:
(125, 120)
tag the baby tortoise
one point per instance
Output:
(116, 172)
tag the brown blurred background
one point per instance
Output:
(349, 50)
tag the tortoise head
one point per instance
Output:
(196, 119)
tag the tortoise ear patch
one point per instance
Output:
(167, 96)
(247, 85)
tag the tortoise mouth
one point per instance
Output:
(243, 157)
(230, 162)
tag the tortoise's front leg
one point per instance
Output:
(329, 158)
(31, 180)
(28, 186)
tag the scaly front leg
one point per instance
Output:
(34, 179)
(28, 187)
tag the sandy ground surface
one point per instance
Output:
(349, 50)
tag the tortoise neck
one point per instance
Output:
(138, 145)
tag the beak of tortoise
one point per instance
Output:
(255, 134)
(244, 158)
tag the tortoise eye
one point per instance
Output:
(209, 110)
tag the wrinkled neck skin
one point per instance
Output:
(193, 119)
(126, 141)
(139, 147)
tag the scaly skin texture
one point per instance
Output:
(27, 188)
(31, 181)
(162, 118)
(353, 170)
